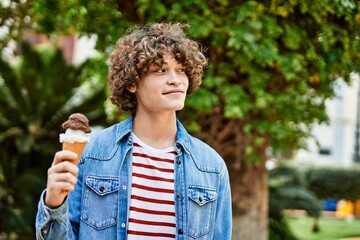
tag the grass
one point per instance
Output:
(329, 228)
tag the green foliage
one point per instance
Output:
(82, 16)
(12, 20)
(335, 183)
(37, 93)
(287, 191)
(272, 63)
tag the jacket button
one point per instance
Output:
(102, 189)
(178, 161)
(180, 231)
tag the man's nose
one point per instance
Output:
(174, 79)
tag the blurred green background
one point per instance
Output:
(273, 64)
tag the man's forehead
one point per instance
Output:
(166, 59)
(168, 56)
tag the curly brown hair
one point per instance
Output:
(143, 46)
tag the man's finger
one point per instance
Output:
(64, 167)
(63, 177)
(63, 156)
(61, 187)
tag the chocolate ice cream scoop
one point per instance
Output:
(77, 121)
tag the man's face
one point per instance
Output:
(162, 89)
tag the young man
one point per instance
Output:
(146, 177)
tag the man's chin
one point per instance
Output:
(179, 108)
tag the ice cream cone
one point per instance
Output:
(76, 135)
(76, 147)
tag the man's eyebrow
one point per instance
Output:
(177, 63)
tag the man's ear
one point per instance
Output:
(132, 88)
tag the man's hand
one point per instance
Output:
(62, 177)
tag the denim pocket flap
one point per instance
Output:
(102, 186)
(202, 195)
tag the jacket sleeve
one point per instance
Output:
(63, 222)
(223, 229)
(52, 223)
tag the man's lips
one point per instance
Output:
(173, 91)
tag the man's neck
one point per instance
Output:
(155, 130)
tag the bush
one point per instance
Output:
(336, 183)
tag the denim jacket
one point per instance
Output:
(98, 208)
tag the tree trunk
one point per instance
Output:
(250, 202)
(248, 180)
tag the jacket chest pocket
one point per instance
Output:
(200, 211)
(100, 204)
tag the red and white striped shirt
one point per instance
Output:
(152, 209)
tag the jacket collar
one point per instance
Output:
(182, 137)
(124, 128)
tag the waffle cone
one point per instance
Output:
(76, 147)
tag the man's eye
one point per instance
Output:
(181, 70)
(160, 70)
